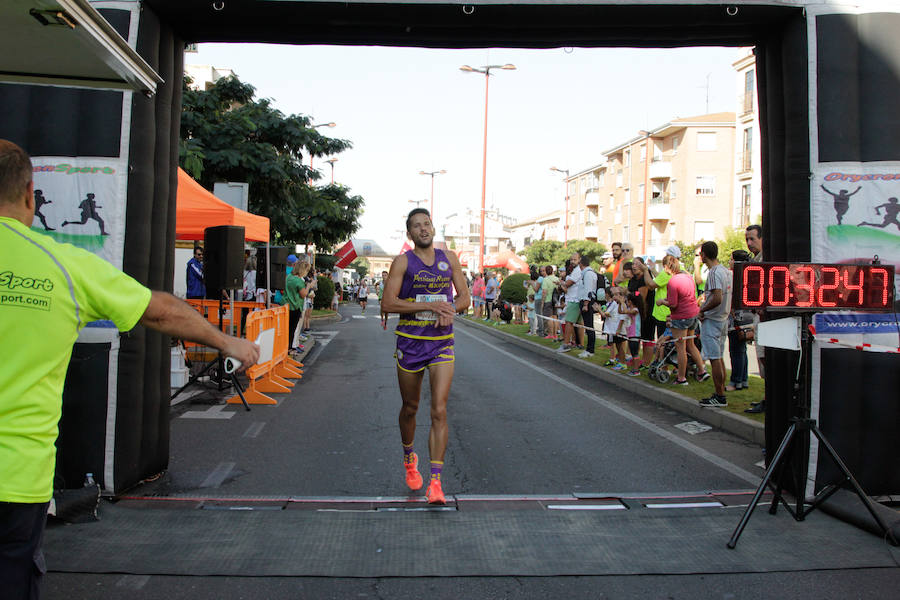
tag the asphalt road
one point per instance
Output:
(519, 424)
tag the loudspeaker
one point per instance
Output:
(223, 259)
(277, 266)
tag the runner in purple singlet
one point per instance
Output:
(420, 288)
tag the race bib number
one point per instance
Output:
(427, 315)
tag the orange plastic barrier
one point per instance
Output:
(272, 376)
(231, 320)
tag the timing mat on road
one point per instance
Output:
(355, 540)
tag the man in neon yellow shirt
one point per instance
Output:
(660, 283)
(48, 292)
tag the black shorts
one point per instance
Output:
(21, 560)
(634, 346)
(652, 329)
(618, 339)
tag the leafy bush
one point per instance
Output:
(512, 289)
(325, 293)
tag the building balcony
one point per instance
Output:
(660, 169)
(592, 230)
(745, 105)
(659, 211)
(592, 199)
(744, 163)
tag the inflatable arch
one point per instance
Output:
(828, 81)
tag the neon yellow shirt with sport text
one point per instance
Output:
(48, 292)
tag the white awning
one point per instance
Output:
(67, 43)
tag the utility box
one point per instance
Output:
(234, 193)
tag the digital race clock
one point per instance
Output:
(813, 287)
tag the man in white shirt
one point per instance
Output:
(588, 295)
(572, 285)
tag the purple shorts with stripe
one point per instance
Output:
(414, 355)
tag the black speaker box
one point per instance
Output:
(277, 266)
(223, 259)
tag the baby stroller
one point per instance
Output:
(664, 368)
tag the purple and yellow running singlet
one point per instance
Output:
(420, 341)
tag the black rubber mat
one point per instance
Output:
(455, 543)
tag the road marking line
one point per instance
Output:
(687, 505)
(213, 412)
(254, 429)
(586, 507)
(132, 582)
(700, 452)
(219, 474)
(693, 427)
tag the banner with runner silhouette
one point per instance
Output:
(82, 201)
(856, 213)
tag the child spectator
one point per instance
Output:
(529, 304)
(634, 333)
(621, 336)
(610, 326)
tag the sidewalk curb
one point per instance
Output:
(308, 345)
(326, 318)
(742, 427)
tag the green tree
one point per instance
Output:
(734, 240)
(687, 255)
(551, 252)
(229, 135)
(543, 252)
(512, 289)
(325, 262)
(324, 292)
(361, 264)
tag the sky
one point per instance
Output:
(407, 110)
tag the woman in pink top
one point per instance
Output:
(682, 300)
(478, 295)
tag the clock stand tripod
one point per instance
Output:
(796, 443)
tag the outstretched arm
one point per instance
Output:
(175, 317)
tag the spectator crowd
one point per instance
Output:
(655, 317)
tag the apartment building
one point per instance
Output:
(204, 76)
(672, 183)
(543, 227)
(748, 177)
(461, 232)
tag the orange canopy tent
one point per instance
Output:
(196, 208)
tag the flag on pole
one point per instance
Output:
(345, 255)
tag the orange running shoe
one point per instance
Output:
(413, 477)
(435, 494)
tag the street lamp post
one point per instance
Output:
(418, 203)
(331, 161)
(566, 226)
(486, 71)
(332, 124)
(432, 173)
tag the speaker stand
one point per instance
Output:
(219, 363)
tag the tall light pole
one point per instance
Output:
(486, 71)
(332, 124)
(418, 203)
(432, 173)
(331, 161)
(566, 227)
